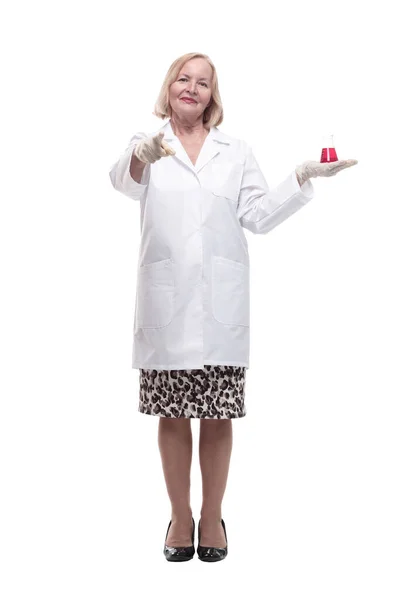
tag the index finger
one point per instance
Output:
(170, 151)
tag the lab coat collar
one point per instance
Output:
(215, 143)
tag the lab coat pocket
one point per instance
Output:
(230, 291)
(227, 195)
(226, 178)
(155, 294)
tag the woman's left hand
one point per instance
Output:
(313, 168)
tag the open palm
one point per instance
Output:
(313, 168)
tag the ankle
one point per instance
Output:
(181, 515)
(210, 515)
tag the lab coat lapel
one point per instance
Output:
(215, 143)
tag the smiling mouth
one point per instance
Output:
(189, 100)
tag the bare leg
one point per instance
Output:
(214, 452)
(175, 444)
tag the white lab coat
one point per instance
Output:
(192, 294)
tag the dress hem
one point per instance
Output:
(152, 414)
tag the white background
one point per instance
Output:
(311, 505)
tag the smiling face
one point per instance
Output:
(193, 82)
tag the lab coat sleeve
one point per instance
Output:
(259, 208)
(120, 176)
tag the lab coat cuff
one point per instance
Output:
(291, 186)
(123, 181)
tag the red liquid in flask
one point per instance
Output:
(328, 155)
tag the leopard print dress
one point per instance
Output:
(215, 392)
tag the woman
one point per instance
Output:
(198, 188)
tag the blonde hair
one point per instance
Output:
(213, 114)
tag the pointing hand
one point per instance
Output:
(153, 148)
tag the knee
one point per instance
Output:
(211, 424)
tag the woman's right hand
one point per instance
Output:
(153, 148)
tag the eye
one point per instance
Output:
(185, 79)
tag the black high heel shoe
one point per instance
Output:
(210, 554)
(180, 553)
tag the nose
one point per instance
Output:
(191, 88)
